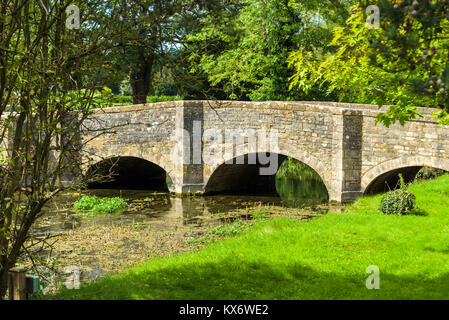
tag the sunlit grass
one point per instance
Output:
(325, 258)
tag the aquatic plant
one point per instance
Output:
(260, 215)
(100, 205)
(229, 229)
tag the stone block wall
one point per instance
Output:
(339, 141)
(135, 131)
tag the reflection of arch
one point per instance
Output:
(246, 178)
(127, 173)
(407, 164)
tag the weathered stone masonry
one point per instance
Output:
(339, 141)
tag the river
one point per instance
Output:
(157, 224)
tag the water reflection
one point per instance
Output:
(298, 185)
(148, 207)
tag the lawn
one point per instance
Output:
(324, 258)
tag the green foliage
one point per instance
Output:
(153, 33)
(221, 231)
(120, 100)
(127, 100)
(427, 173)
(100, 205)
(400, 201)
(292, 168)
(299, 185)
(86, 203)
(227, 230)
(404, 63)
(402, 184)
(260, 215)
(164, 83)
(252, 42)
(153, 99)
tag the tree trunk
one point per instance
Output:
(140, 79)
(3, 282)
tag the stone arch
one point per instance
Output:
(401, 163)
(127, 172)
(305, 158)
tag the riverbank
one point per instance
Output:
(323, 258)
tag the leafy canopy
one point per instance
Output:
(248, 45)
(403, 63)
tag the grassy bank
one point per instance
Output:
(324, 258)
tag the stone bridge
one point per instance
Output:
(340, 142)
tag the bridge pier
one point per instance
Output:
(189, 122)
(350, 164)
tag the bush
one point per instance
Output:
(260, 215)
(154, 99)
(122, 99)
(229, 229)
(86, 203)
(128, 100)
(100, 205)
(427, 173)
(398, 202)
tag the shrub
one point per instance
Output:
(86, 203)
(154, 99)
(228, 229)
(260, 215)
(427, 173)
(109, 205)
(128, 100)
(122, 99)
(398, 202)
(100, 205)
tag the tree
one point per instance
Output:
(245, 48)
(403, 63)
(43, 65)
(151, 31)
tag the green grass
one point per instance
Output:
(324, 258)
(100, 205)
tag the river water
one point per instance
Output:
(155, 224)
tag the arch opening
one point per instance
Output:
(293, 180)
(390, 180)
(245, 178)
(127, 173)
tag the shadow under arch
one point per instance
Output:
(130, 173)
(390, 180)
(240, 176)
(385, 176)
